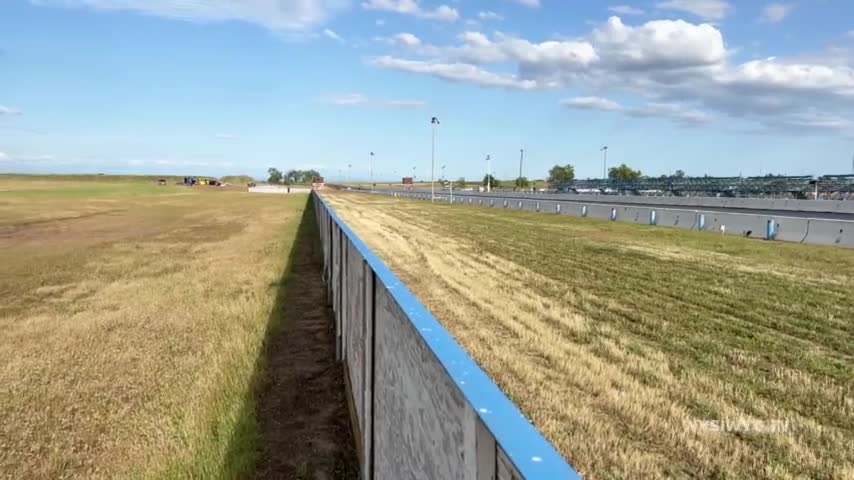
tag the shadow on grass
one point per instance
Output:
(295, 423)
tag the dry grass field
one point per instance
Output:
(641, 352)
(133, 320)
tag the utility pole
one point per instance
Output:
(488, 174)
(372, 171)
(435, 122)
(521, 159)
(605, 163)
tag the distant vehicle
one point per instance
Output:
(161, 182)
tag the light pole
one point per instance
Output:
(521, 159)
(372, 171)
(442, 178)
(605, 162)
(435, 122)
(488, 175)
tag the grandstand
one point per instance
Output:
(831, 187)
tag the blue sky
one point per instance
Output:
(228, 86)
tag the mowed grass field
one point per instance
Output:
(641, 352)
(132, 323)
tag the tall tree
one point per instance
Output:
(522, 182)
(623, 173)
(560, 174)
(275, 175)
(489, 179)
(291, 176)
(460, 183)
(300, 176)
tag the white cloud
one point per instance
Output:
(528, 3)
(479, 49)
(455, 72)
(9, 111)
(674, 112)
(662, 44)
(407, 39)
(442, 13)
(659, 43)
(714, 10)
(625, 10)
(674, 69)
(489, 16)
(332, 35)
(359, 100)
(11, 158)
(837, 80)
(776, 12)
(225, 136)
(380, 22)
(272, 14)
(591, 103)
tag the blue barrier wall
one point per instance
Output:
(845, 207)
(817, 231)
(422, 408)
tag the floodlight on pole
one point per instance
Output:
(349, 167)
(521, 159)
(605, 162)
(435, 123)
(488, 174)
(372, 171)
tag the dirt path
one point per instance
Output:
(304, 424)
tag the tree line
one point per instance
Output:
(289, 177)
